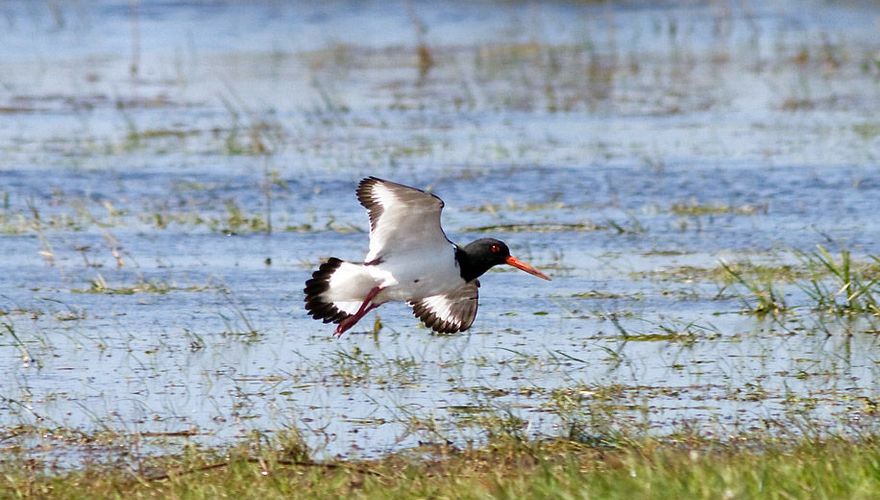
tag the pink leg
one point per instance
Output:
(366, 307)
(349, 322)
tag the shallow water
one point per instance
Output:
(144, 151)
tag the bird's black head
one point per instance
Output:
(481, 255)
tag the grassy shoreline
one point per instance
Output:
(830, 467)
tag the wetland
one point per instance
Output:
(701, 180)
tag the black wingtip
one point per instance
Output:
(365, 183)
(319, 283)
(365, 197)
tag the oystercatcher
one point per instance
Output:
(410, 259)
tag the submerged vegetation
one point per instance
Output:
(767, 297)
(850, 288)
(822, 283)
(693, 208)
(832, 286)
(99, 285)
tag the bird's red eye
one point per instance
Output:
(495, 248)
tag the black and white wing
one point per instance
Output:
(336, 290)
(401, 217)
(451, 312)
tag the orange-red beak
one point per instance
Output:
(513, 261)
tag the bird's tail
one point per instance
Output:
(336, 290)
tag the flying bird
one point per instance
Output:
(410, 259)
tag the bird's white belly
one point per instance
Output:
(416, 275)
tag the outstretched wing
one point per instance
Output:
(451, 312)
(402, 218)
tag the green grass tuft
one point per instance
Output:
(507, 467)
(848, 288)
(767, 299)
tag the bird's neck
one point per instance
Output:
(469, 266)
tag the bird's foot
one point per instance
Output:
(366, 307)
(344, 325)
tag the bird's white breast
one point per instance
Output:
(418, 274)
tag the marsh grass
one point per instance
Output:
(99, 285)
(766, 298)
(353, 366)
(8, 328)
(726, 274)
(236, 220)
(839, 286)
(630, 226)
(238, 321)
(695, 208)
(13, 223)
(835, 286)
(536, 227)
(848, 289)
(506, 467)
